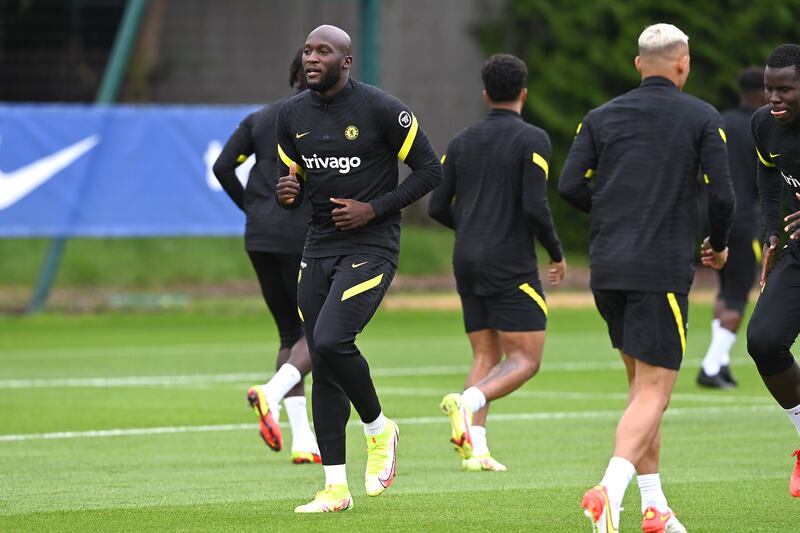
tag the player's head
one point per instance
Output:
(751, 86)
(782, 82)
(664, 51)
(504, 78)
(327, 58)
(297, 78)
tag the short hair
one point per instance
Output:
(786, 55)
(751, 79)
(296, 70)
(661, 39)
(504, 76)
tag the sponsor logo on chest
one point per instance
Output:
(790, 180)
(342, 164)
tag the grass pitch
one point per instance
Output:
(139, 422)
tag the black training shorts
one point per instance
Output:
(648, 326)
(521, 308)
(737, 277)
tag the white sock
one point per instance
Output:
(303, 439)
(618, 474)
(376, 426)
(794, 416)
(479, 444)
(335, 474)
(284, 379)
(652, 495)
(473, 399)
(721, 342)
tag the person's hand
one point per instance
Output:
(288, 187)
(793, 228)
(556, 272)
(767, 256)
(711, 258)
(351, 214)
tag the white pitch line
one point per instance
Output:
(497, 417)
(254, 377)
(572, 395)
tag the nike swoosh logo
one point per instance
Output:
(298, 135)
(774, 155)
(359, 264)
(16, 185)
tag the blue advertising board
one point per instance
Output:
(115, 171)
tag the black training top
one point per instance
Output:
(347, 147)
(633, 165)
(742, 160)
(269, 228)
(778, 152)
(494, 194)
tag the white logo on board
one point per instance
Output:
(16, 185)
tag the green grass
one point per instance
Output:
(185, 261)
(725, 461)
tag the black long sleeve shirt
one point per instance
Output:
(348, 147)
(778, 153)
(633, 166)
(494, 194)
(742, 160)
(268, 228)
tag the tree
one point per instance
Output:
(580, 55)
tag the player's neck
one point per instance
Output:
(515, 106)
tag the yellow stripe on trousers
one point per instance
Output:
(361, 287)
(530, 291)
(676, 310)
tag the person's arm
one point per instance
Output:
(440, 206)
(535, 206)
(404, 137)
(235, 152)
(289, 190)
(770, 190)
(717, 177)
(580, 166)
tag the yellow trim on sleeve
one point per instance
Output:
(362, 287)
(676, 310)
(722, 134)
(542, 162)
(530, 291)
(589, 173)
(578, 130)
(241, 158)
(412, 134)
(299, 312)
(288, 161)
(764, 161)
(705, 178)
(444, 156)
(757, 250)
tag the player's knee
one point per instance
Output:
(767, 349)
(527, 366)
(532, 368)
(328, 345)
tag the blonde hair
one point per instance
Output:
(662, 39)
